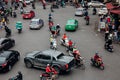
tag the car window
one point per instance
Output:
(46, 57)
(60, 56)
(43, 57)
(5, 41)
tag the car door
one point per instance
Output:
(38, 60)
(11, 59)
(6, 44)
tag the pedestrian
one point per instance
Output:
(44, 4)
(33, 5)
(51, 8)
(8, 31)
(11, 11)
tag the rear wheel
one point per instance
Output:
(102, 67)
(9, 67)
(57, 69)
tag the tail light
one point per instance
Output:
(66, 66)
(3, 65)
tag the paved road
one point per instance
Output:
(86, 38)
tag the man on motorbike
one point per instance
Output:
(76, 55)
(20, 76)
(96, 58)
(53, 30)
(70, 45)
(64, 37)
(108, 43)
(51, 71)
(58, 28)
(94, 11)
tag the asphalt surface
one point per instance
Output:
(86, 39)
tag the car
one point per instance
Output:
(28, 14)
(79, 12)
(36, 24)
(103, 11)
(95, 4)
(71, 25)
(8, 59)
(6, 43)
(40, 59)
(26, 1)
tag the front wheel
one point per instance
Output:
(28, 64)
(102, 67)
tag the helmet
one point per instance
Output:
(64, 33)
(96, 53)
(57, 24)
(48, 64)
(19, 72)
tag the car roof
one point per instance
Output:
(80, 8)
(5, 53)
(35, 19)
(50, 52)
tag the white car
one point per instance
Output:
(79, 12)
(36, 24)
(103, 11)
(26, 1)
(95, 4)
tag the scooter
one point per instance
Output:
(64, 42)
(87, 21)
(19, 30)
(45, 76)
(100, 65)
(54, 45)
(108, 48)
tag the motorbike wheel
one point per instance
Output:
(43, 78)
(83, 67)
(102, 67)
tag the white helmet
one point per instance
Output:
(57, 24)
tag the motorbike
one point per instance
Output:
(100, 65)
(45, 76)
(109, 47)
(19, 30)
(14, 14)
(80, 63)
(64, 42)
(54, 45)
(87, 20)
(94, 12)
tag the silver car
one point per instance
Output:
(36, 24)
(79, 12)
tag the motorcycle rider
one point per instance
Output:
(51, 71)
(108, 43)
(8, 31)
(64, 37)
(58, 28)
(76, 55)
(19, 76)
(53, 30)
(87, 18)
(70, 44)
(96, 58)
(94, 11)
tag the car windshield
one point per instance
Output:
(79, 9)
(2, 59)
(70, 22)
(60, 56)
(34, 22)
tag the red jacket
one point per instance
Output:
(96, 57)
(48, 70)
(70, 43)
